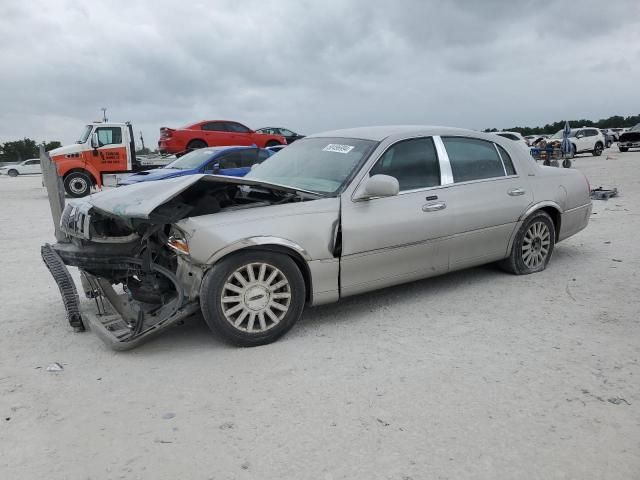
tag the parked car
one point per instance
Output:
(286, 133)
(583, 140)
(630, 139)
(213, 133)
(332, 215)
(515, 136)
(615, 132)
(233, 161)
(27, 167)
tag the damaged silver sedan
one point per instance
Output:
(332, 215)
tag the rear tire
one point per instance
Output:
(196, 144)
(272, 143)
(77, 184)
(250, 309)
(623, 149)
(533, 245)
(13, 172)
(597, 150)
(566, 163)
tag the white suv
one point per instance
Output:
(585, 139)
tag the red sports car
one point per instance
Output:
(213, 133)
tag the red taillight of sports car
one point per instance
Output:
(166, 132)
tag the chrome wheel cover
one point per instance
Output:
(255, 297)
(536, 244)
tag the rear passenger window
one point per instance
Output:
(506, 159)
(248, 157)
(263, 155)
(214, 127)
(414, 163)
(472, 159)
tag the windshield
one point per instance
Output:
(320, 165)
(635, 128)
(85, 133)
(191, 160)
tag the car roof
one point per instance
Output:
(379, 133)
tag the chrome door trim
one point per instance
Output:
(446, 174)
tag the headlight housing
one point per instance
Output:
(178, 242)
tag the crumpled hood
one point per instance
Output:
(141, 199)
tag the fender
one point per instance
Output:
(65, 165)
(256, 241)
(538, 206)
(529, 211)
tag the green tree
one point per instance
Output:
(24, 149)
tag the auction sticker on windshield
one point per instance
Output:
(334, 147)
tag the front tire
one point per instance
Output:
(252, 298)
(623, 149)
(533, 245)
(597, 150)
(13, 172)
(77, 184)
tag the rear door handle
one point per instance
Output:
(434, 207)
(516, 192)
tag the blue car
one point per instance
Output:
(232, 161)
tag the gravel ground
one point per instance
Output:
(477, 374)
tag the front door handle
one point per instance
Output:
(434, 207)
(516, 192)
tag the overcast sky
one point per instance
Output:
(313, 65)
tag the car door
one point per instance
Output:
(112, 150)
(216, 134)
(31, 167)
(484, 200)
(240, 134)
(582, 141)
(395, 239)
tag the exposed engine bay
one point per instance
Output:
(133, 267)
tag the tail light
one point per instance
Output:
(166, 132)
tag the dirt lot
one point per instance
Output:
(477, 374)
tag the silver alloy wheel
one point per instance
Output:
(535, 244)
(78, 185)
(255, 297)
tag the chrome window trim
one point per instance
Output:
(446, 173)
(504, 169)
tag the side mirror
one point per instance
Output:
(95, 143)
(580, 135)
(379, 186)
(212, 169)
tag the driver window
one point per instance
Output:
(414, 163)
(109, 135)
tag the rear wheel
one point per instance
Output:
(566, 163)
(13, 172)
(196, 144)
(533, 245)
(272, 143)
(77, 184)
(597, 150)
(253, 298)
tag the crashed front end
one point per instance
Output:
(132, 269)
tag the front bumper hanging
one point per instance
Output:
(120, 322)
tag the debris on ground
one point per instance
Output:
(55, 367)
(617, 401)
(168, 416)
(602, 193)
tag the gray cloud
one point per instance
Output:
(313, 66)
